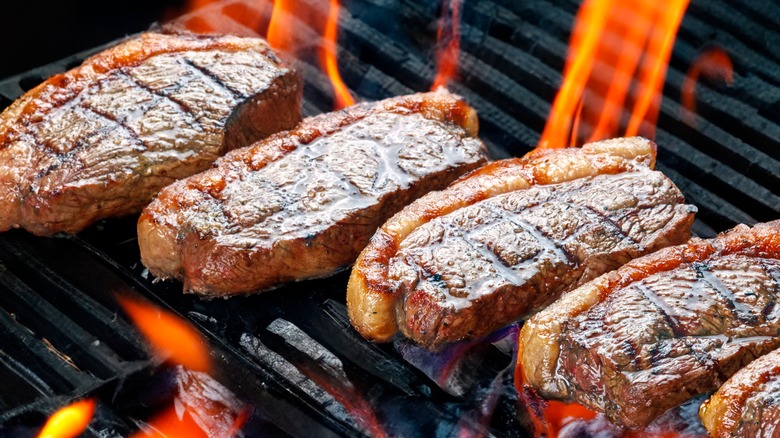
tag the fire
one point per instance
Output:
(169, 335)
(69, 421)
(713, 64)
(279, 35)
(328, 57)
(447, 43)
(558, 414)
(618, 56)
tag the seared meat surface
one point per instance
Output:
(748, 404)
(508, 239)
(662, 329)
(302, 204)
(102, 139)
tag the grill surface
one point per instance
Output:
(291, 352)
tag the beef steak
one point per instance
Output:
(663, 328)
(102, 139)
(508, 239)
(302, 204)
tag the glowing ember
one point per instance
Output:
(713, 64)
(69, 421)
(172, 337)
(618, 49)
(328, 57)
(447, 43)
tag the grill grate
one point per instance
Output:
(299, 362)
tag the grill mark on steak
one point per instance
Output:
(214, 79)
(552, 246)
(84, 143)
(608, 219)
(664, 309)
(703, 271)
(181, 105)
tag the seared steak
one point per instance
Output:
(508, 239)
(663, 328)
(748, 404)
(303, 203)
(102, 139)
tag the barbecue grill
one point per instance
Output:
(291, 353)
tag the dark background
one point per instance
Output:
(36, 32)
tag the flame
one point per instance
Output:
(714, 63)
(279, 34)
(328, 57)
(171, 424)
(448, 43)
(69, 421)
(618, 49)
(171, 336)
(558, 414)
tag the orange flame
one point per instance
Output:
(558, 414)
(448, 44)
(169, 335)
(279, 28)
(617, 49)
(69, 421)
(713, 64)
(328, 57)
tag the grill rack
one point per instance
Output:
(513, 52)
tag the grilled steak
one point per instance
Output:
(302, 204)
(102, 139)
(663, 328)
(509, 238)
(748, 404)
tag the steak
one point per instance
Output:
(663, 328)
(510, 238)
(748, 404)
(302, 204)
(102, 139)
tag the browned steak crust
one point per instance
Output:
(102, 139)
(748, 404)
(508, 239)
(663, 328)
(302, 204)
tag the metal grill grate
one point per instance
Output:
(291, 352)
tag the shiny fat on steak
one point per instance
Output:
(663, 328)
(102, 139)
(510, 238)
(748, 404)
(302, 204)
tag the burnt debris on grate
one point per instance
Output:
(291, 352)
(59, 341)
